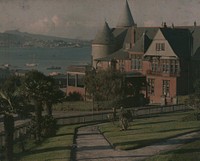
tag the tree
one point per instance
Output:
(52, 95)
(41, 90)
(194, 99)
(10, 103)
(104, 85)
(35, 87)
(132, 92)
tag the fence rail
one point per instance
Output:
(102, 116)
(99, 116)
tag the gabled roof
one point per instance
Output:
(104, 36)
(142, 44)
(129, 35)
(126, 19)
(195, 40)
(150, 31)
(123, 35)
(179, 40)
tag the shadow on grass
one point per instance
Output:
(184, 151)
(38, 151)
(130, 145)
(180, 129)
(63, 134)
(154, 122)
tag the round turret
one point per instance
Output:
(103, 44)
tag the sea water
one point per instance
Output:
(44, 58)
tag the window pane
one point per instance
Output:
(71, 79)
(166, 84)
(80, 80)
(151, 86)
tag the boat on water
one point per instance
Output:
(6, 65)
(53, 68)
(31, 65)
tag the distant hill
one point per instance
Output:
(16, 38)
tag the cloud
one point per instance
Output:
(58, 25)
(149, 23)
(57, 21)
(45, 25)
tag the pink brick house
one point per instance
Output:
(167, 57)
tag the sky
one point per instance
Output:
(82, 19)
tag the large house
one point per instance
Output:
(168, 57)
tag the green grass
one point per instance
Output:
(82, 106)
(73, 106)
(187, 152)
(143, 132)
(54, 148)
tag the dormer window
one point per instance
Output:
(160, 46)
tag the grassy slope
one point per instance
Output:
(54, 148)
(187, 152)
(143, 132)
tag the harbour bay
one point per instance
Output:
(46, 60)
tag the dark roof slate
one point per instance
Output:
(104, 36)
(118, 55)
(142, 44)
(178, 40)
(126, 19)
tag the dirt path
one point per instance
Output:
(92, 146)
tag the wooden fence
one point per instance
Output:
(100, 116)
(103, 116)
(20, 130)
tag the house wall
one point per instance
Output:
(75, 89)
(158, 97)
(146, 66)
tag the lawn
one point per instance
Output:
(187, 152)
(82, 106)
(54, 148)
(143, 132)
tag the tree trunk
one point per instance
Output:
(49, 108)
(9, 131)
(38, 113)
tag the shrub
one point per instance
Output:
(132, 101)
(195, 116)
(48, 126)
(124, 118)
(74, 96)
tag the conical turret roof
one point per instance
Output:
(126, 19)
(104, 36)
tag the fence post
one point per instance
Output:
(149, 112)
